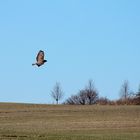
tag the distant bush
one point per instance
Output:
(103, 101)
(87, 96)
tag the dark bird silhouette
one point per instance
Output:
(40, 59)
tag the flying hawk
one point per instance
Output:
(40, 59)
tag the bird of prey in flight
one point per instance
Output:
(40, 59)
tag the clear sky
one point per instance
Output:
(82, 39)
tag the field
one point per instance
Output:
(64, 122)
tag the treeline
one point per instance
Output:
(90, 96)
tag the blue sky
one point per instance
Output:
(82, 39)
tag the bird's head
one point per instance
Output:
(45, 61)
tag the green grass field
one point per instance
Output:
(64, 122)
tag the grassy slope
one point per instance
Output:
(50, 122)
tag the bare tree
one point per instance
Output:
(79, 99)
(137, 97)
(82, 97)
(57, 92)
(89, 96)
(125, 91)
(91, 93)
(73, 100)
(138, 93)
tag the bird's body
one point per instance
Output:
(40, 59)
